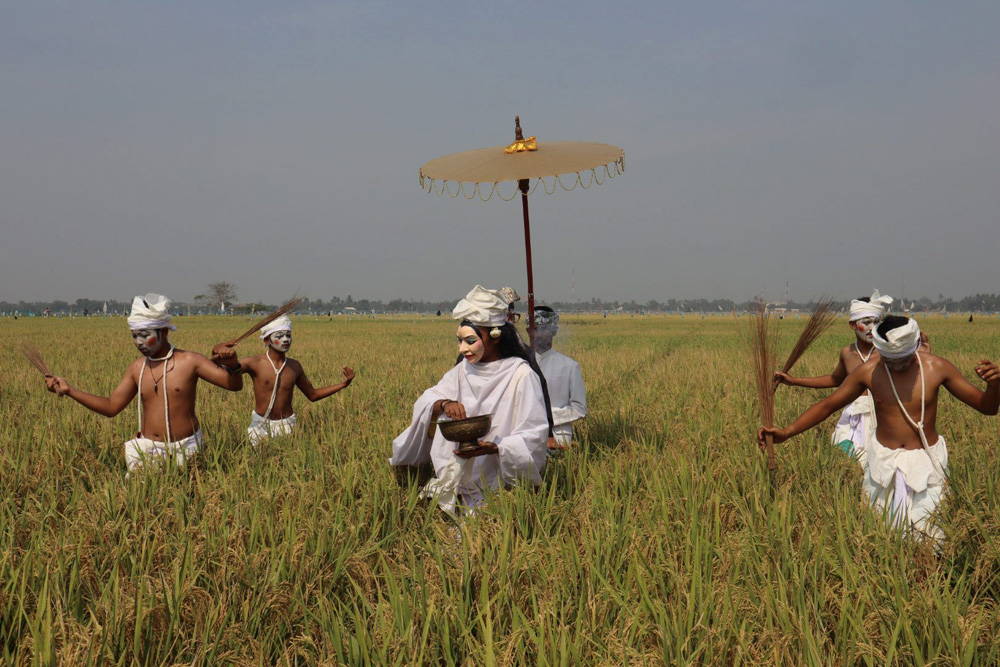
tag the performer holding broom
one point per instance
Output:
(907, 459)
(275, 376)
(856, 427)
(166, 380)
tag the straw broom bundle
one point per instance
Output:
(287, 307)
(34, 357)
(763, 334)
(820, 320)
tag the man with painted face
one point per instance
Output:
(566, 390)
(856, 426)
(166, 380)
(495, 376)
(275, 377)
(907, 459)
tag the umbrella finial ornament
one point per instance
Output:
(520, 144)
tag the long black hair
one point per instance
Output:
(510, 345)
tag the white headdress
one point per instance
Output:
(900, 342)
(876, 307)
(509, 295)
(283, 323)
(150, 312)
(483, 307)
(544, 318)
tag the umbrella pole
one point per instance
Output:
(523, 185)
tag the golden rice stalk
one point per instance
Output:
(763, 342)
(34, 357)
(820, 320)
(288, 306)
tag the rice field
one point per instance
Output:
(659, 538)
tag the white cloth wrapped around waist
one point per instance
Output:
(862, 405)
(915, 464)
(141, 450)
(261, 429)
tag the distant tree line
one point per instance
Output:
(211, 304)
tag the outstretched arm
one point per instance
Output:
(851, 388)
(314, 394)
(220, 376)
(987, 402)
(834, 379)
(107, 406)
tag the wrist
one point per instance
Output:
(234, 370)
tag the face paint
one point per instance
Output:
(145, 340)
(543, 337)
(470, 345)
(864, 328)
(280, 341)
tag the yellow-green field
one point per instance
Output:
(657, 538)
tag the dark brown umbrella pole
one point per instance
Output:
(523, 185)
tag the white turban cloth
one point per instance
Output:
(900, 342)
(283, 323)
(876, 307)
(150, 312)
(483, 307)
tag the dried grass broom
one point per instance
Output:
(763, 342)
(286, 307)
(820, 320)
(34, 357)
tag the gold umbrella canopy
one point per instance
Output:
(547, 159)
(521, 161)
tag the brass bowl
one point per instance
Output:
(466, 432)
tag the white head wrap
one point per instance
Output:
(483, 307)
(899, 343)
(545, 318)
(875, 308)
(150, 312)
(283, 323)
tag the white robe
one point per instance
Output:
(507, 389)
(566, 392)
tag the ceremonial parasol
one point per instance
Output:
(525, 159)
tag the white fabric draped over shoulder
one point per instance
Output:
(507, 389)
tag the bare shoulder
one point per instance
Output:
(294, 366)
(938, 366)
(190, 358)
(253, 361)
(866, 371)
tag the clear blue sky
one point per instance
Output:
(161, 146)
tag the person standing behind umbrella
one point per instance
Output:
(511, 297)
(565, 381)
(496, 376)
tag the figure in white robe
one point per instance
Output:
(567, 394)
(507, 389)
(492, 379)
(566, 391)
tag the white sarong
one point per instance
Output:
(855, 430)
(261, 429)
(139, 450)
(904, 483)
